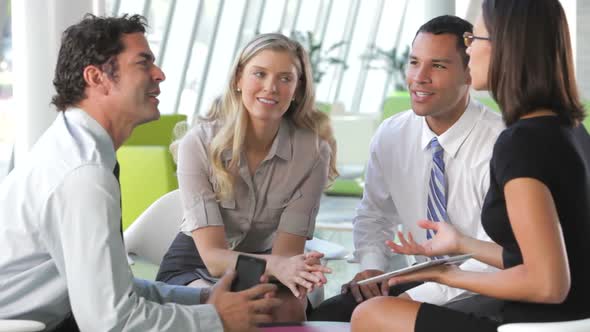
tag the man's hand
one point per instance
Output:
(242, 311)
(365, 292)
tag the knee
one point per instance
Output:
(366, 315)
(385, 313)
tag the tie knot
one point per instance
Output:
(435, 145)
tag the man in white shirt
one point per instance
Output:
(63, 260)
(398, 178)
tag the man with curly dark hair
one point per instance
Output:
(63, 260)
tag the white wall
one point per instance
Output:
(36, 33)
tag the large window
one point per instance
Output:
(7, 112)
(196, 41)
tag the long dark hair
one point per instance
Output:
(531, 65)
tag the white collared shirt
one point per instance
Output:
(60, 246)
(396, 187)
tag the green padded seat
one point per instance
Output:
(489, 102)
(157, 132)
(324, 107)
(399, 101)
(147, 168)
(346, 187)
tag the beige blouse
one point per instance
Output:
(283, 194)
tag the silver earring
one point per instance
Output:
(238, 90)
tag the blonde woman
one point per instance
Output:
(251, 175)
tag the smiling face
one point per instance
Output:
(479, 56)
(135, 89)
(268, 83)
(437, 79)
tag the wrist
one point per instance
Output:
(463, 245)
(272, 263)
(447, 275)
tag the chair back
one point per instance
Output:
(396, 103)
(148, 170)
(154, 230)
(159, 132)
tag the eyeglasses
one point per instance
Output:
(468, 38)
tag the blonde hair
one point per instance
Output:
(230, 111)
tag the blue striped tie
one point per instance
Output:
(437, 187)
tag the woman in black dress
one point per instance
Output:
(537, 209)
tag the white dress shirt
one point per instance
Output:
(396, 187)
(61, 249)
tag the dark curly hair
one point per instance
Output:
(93, 41)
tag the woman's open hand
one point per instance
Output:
(446, 240)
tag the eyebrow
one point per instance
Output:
(147, 56)
(284, 72)
(436, 60)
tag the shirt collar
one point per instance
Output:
(104, 142)
(452, 139)
(281, 147)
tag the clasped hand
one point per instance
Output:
(301, 273)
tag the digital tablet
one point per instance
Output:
(447, 260)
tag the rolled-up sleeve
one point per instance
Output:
(299, 215)
(199, 202)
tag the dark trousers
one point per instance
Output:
(340, 307)
(68, 325)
